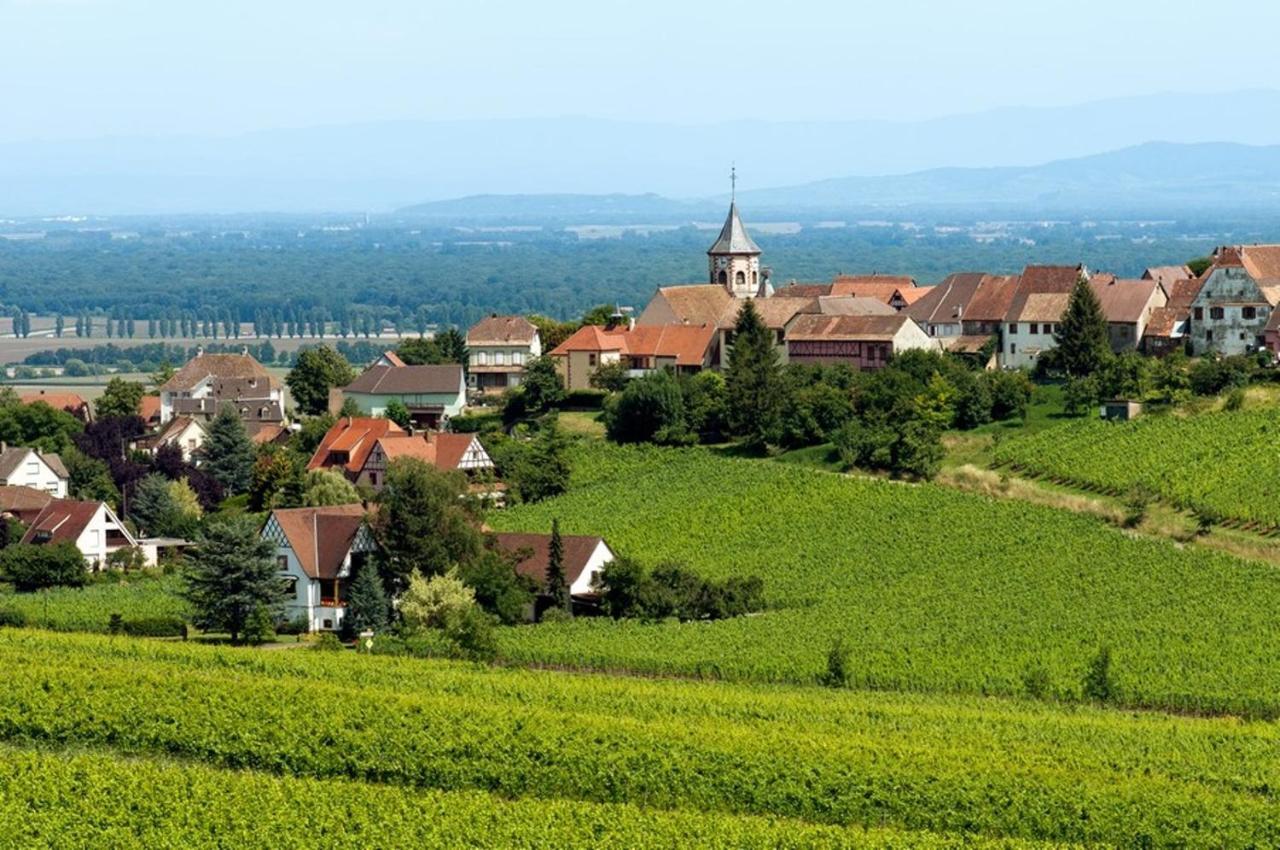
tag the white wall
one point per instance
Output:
(601, 556)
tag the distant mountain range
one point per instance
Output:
(1151, 178)
(378, 167)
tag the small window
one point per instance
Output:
(1199, 313)
(282, 562)
(373, 479)
(591, 359)
(1215, 312)
(1013, 348)
(1034, 329)
(291, 586)
(1249, 312)
(328, 624)
(1013, 328)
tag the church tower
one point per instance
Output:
(734, 259)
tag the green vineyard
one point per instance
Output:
(1223, 464)
(89, 609)
(365, 741)
(932, 589)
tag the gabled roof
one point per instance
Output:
(25, 503)
(408, 380)
(1166, 275)
(149, 408)
(882, 286)
(174, 428)
(70, 402)
(947, 301)
(225, 367)
(392, 359)
(64, 520)
(267, 432)
(697, 304)
(1042, 280)
(814, 327)
(11, 457)
(1041, 307)
(733, 238)
(1164, 322)
(775, 312)
(1123, 301)
(991, 301)
(851, 305)
(1181, 293)
(687, 344)
(502, 330)
(354, 435)
(578, 550)
(1262, 262)
(320, 537)
(442, 450)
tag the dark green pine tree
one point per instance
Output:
(753, 381)
(231, 576)
(367, 606)
(557, 587)
(1083, 345)
(228, 452)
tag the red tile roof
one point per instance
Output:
(991, 301)
(392, 358)
(149, 408)
(62, 520)
(355, 436)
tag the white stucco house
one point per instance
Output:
(318, 551)
(498, 349)
(92, 526)
(26, 467)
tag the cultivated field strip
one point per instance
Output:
(944, 765)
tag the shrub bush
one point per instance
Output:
(154, 627)
(33, 566)
(11, 618)
(583, 400)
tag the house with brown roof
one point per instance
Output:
(1039, 301)
(585, 558)
(1169, 326)
(446, 452)
(433, 394)
(186, 433)
(1166, 276)
(22, 503)
(92, 526)
(67, 402)
(208, 381)
(498, 348)
(641, 348)
(348, 442)
(1128, 306)
(21, 466)
(941, 308)
(897, 291)
(318, 552)
(1238, 294)
(865, 343)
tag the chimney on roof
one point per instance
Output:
(244, 350)
(199, 351)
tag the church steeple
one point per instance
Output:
(734, 258)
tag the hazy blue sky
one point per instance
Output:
(71, 68)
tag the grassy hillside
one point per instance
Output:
(383, 745)
(1222, 463)
(934, 590)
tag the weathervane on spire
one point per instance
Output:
(733, 183)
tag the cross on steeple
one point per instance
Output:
(733, 183)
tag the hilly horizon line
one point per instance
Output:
(382, 167)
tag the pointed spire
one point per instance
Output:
(734, 238)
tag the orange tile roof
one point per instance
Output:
(1123, 300)
(697, 304)
(1262, 262)
(992, 299)
(814, 327)
(442, 450)
(355, 435)
(149, 407)
(70, 402)
(502, 330)
(688, 344)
